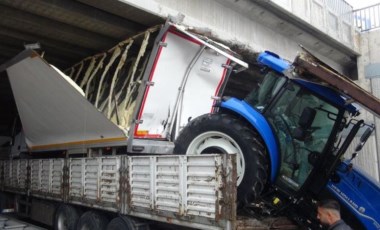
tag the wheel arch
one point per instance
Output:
(258, 121)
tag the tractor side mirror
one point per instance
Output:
(363, 139)
(305, 121)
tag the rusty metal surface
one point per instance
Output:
(95, 182)
(192, 191)
(186, 190)
(16, 176)
(310, 64)
(227, 206)
(187, 186)
(46, 178)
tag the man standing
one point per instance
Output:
(329, 214)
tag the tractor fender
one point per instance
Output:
(258, 121)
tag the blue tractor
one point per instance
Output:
(290, 133)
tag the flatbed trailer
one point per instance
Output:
(192, 191)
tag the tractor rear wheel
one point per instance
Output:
(224, 133)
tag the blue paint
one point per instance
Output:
(328, 94)
(278, 64)
(273, 61)
(262, 126)
(359, 193)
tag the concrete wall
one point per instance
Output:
(249, 23)
(369, 78)
(333, 17)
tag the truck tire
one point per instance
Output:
(126, 223)
(66, 217)
(91, 220)
(224, 133)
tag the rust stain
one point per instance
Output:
(169, 220)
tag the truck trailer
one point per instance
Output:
(174, 127)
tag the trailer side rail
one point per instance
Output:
(194, 191)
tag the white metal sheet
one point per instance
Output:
(53, 113)
(46, 177)
(168, 184)
(15, 175)
(218, 50)
(95, 180)
(183, 185)
(35, 175)
(140, 178)
(169, 76)
(202, 86)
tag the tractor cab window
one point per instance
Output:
(302, 123)
(271, 84)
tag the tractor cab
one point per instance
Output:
(307, 119)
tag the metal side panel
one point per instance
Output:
(46, 177)
(140, 178)
(56, 176)
(34, 175)
(22, 175)
(183, 83)
(7, 173)
(202, 183)
(109, 179)
(1, 175)
(188, 190)
(168, 184)
(95, 182)
(75, 178)
(15, 176)
(54, 114)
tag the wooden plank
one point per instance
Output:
(305, 62)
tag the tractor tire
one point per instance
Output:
(224, 133)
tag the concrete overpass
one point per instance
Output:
(71, 30)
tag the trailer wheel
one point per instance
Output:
(224, 133)
(91, 220)
(126, 223)
(66, 217)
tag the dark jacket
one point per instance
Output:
(340, 225)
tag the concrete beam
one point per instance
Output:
(79, 15)
(22, 37)
(38, 25)
(126, 10)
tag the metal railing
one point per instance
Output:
(367, 18)
(340, 8)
